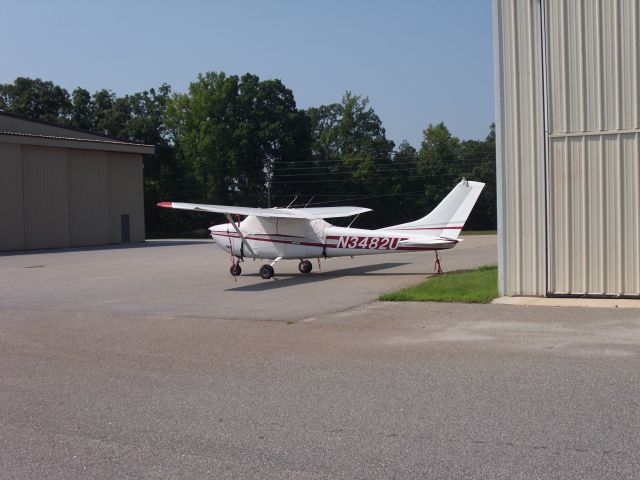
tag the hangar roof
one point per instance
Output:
(21, 130)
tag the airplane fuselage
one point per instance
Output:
(286, 239)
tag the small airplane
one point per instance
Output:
(302, 233)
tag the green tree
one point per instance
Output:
(351, 154)
(111, 114)
(82, 109)
(479, 158)
(408, 202)
(438, 164)
(234, 132)
(35, 98)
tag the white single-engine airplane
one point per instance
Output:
(302, 233)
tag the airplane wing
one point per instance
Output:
(305, 213)
(332, 212)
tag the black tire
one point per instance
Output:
(305, 266)
(266, 272)
(235, 270)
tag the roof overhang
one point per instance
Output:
(79, 143)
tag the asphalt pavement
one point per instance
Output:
(191, 278)
(115, 363)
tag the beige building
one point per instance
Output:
(62, 187)
(567, 76)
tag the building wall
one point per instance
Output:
(11, 198)
(594, 139)
(46, 197)
(89, 197)
(520, 146)
(570, 215)
(57, 197)
(125, 195)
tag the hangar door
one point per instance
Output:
(593, 147)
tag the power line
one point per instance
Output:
(423, 176)
(364, 197)
(365, 157)
(372, 169)
(367, 179)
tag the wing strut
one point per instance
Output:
(244, 240)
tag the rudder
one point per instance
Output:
(448, 218)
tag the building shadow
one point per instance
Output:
(114, 246)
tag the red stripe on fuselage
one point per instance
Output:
(286, 242)
(276, 235)
(320, 245)
(426, 228)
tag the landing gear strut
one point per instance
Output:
(437, 268)
(305, 266)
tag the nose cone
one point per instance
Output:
(220, 235)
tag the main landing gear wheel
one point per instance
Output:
(235, 269)
(266, 272)
(305, 266)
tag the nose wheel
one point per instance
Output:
(235, 270)
(305, 266)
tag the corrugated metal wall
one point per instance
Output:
(590, 87)
(125, 195)
(594, 163)
(89, 197)
(520, 144)
(46, 197)
(11, 198)
(56, 197)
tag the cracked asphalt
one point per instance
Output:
(150, 362)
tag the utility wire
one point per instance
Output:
(424, 176)
(389, 158)
(385, 169)
(363, 197)
(395, 177)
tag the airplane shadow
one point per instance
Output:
(291, 279)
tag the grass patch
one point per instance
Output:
(473, 286)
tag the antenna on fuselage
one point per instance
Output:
(292, 202)
(355, 218)
(307, 204)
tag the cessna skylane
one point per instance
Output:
(301, 233)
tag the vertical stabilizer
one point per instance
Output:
(448, 218)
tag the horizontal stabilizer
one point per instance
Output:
(425, 242)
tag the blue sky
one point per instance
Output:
(419, 62)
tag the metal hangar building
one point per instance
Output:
(568, 147)
(62, 187)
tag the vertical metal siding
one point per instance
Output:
(126, 195)
(592, 65)
(88, 197)
(521, 151)
(594, 210)
(592, 61)
(11, 198)
(46, 197)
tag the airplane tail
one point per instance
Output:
(448, 218)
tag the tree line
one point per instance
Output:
(240, 140)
